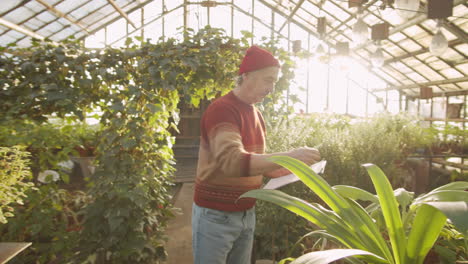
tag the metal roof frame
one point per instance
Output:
(405, 69)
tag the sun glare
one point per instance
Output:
(339, 86)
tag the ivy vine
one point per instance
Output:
(136, 91)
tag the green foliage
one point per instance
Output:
(51, 219)
(14, 171)
(450, 138)
(87, 137)
(347, 222)
(137, 90)
(48, 143)
(384, 140)
(451, 246)
(135, 154)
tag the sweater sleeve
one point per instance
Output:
(221, 131)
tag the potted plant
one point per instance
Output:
(350, 225)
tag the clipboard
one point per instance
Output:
(276, 183)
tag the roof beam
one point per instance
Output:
(417, 85)
(351, 17)
(292, 14)
(22, 3)
(441, 94)
(313, 33)
(20, 29)
(414, 21)
(148, 23)
(460, 34)
(418, 52)
(60, 14)
(451, 93)
(366, 59)
(121, 12)
(292, 19)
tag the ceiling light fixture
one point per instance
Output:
(439, 10)
(377, 58)
(320, 49)
(439, 43)
(360, 31)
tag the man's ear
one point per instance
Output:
(245, 76)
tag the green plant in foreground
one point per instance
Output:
(349, 224)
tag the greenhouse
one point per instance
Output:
(233, 131)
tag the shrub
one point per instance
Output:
(14, 171)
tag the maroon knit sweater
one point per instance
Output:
(230, 131)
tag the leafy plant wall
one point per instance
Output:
(135, 92)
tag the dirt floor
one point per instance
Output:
(179, 231)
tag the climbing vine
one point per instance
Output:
(135, 91)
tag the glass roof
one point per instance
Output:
(408, 62)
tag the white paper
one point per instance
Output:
(275, 183)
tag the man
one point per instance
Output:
(232, 162)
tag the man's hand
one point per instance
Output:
(305, 154)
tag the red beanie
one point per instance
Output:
(257, 58)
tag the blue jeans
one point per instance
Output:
(220, 237)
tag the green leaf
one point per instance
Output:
(355, 193)
(349, 217)
(390, 211)
(314, 213)
(320, 233)
(372, 231)
(314, 181)
(154, 108)
(129, 143)
(128, 41)
(442, 196)
(283, 261)
(460, 186)
(457, 212)
(117, 106)
(327, 256)
(426, 228)
(65, 177)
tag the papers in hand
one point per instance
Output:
(275, 183)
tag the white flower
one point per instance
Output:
(48, 176)
(66, 164)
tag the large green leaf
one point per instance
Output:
(327, 256)
(443, 196)
(426, 228)
(319, 233)
(457, 212)
(355, 193)
(338, 204)
(453, 186)
(373, 231)
(314, 181)
(316, 214)
(390, 211)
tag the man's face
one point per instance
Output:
(260, 83)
